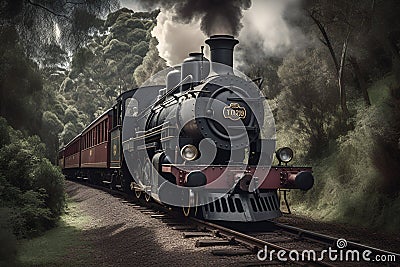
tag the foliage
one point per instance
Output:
(357, 181)
(28, 99)
(104, 68)
(20, 85)
(152, 63)
(355, 160)
(31, 187)
(36, 38)
(371, 31)
(50, 179)
(307, 106)
(73, 21)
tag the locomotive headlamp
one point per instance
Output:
(189, 152)
(284, 155)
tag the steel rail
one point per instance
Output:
(322, 238)
(252, 243)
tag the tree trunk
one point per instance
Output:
(342, 90)
(326, 41)
(360, 80)
(338, 67)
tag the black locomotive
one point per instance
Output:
(204, 141)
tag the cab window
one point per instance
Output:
(132, 107)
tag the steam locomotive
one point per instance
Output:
(204, 141)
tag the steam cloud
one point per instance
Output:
(267, 28)
(261, 26)
(176, 40)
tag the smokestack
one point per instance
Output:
(221, 47)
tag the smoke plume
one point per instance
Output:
(263, 27)
(215, 16)
(183, 25)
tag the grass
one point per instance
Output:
(60, 246)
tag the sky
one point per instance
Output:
(131, 4)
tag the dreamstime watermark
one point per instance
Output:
(331, 254)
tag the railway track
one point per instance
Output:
(281, 237)
(236, 240)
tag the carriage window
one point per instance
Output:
(132, 107)
(102, 131)
(119, 113)
(91, 137)
(98, 134)
(106, 130)
(115, 115)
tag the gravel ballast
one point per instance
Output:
(119, 235)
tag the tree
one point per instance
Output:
(384, 25)
(70, 131)
(307, 103)
(152, 63)
(35, 38)
(52, 127)
(339, 64)
(265, 68)
(72, 21)
(359, 29)
(31, 188)
(104, 67)
(20, 85)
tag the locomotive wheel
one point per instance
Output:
(138, 193)
(146, 174)
(113, 181)
(147, 197)
(191, 209)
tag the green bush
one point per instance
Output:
(357, 181)
(50, 179)
(31, 188)
(29, 215)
